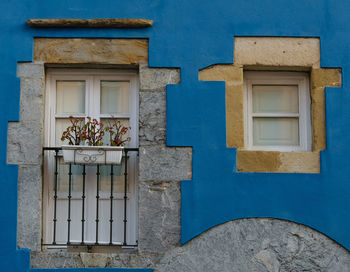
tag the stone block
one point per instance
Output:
(143, 260)
(326, 77)
(160, 163)
(32, 100)
(52, 259)
(219, 72)
(277, 51)
(63, 259)
(278, 162)
(156, 79)
(29, 207)
(159, 216)
(92, 51)
(24, 143)
(32, 70)
(152, 123)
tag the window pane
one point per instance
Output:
(118, 177)
(63, 177)
(114, 97)
(276, 131)
(70, 97)
(61, 125)
(275, 98)
(109, 122)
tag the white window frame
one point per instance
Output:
(92, 109)
(300, 79)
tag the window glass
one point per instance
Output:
(275, 131)
(63, 177)
(108, 122)
(114, 97)
(118, 178)
(275, 98)
(70, 97)
(61, 125)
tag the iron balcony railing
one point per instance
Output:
(97, 242)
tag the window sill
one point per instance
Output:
(278, 162)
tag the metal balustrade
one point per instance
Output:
(124, 219)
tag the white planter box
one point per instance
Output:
(92, 154)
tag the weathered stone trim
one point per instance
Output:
(319, 79)
(90, 23)
(278, 162)
(233, 77)
(24, 148)
(274, 53)
(158, 182)
(277, 52)
(91, 51)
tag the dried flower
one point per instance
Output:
(117, 133)
(73, 133)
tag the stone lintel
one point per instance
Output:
(91, 51)
(90, 23)
(277, 51)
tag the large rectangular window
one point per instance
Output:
(105, 95)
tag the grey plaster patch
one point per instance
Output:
(257, 245)
(156, 79)
(159, 216)
(160, 163)
(152, 124)
(29, 206)
(24, 146)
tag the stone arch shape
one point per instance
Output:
(257, 244)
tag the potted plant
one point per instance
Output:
(91, 134)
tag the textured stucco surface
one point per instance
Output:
(275, 53)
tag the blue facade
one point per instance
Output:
(190, 35)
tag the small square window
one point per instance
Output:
(277, 111)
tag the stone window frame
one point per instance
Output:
(274, 54)
(169, 164)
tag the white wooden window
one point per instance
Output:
(102, 94)
(277, 111)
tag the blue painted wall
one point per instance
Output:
(192, 34)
